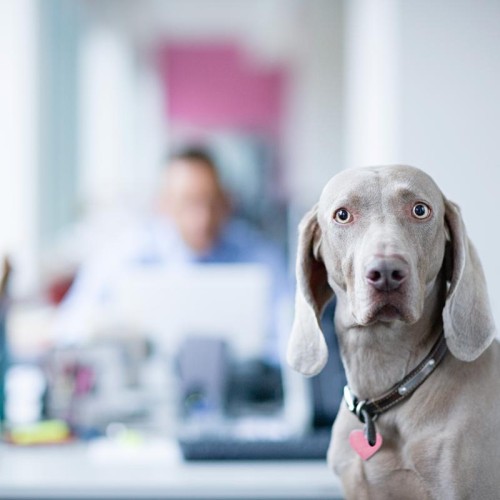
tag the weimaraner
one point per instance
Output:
(410, 293)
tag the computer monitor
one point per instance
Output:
(225, 301)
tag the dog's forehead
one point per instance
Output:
(372, 181)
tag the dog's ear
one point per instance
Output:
(468, 323)
(307, 350)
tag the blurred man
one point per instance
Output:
(192, 197)
(192, 223)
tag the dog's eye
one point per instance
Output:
(342, 216)
(421, 211)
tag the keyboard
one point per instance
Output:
(310, 446)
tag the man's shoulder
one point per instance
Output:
(248, 241)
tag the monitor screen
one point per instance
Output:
(227, 301)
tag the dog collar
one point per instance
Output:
(368, 410)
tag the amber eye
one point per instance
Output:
(421, 211)
(342, 216)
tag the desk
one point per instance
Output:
(69, 472)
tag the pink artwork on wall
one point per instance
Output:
(218, 85)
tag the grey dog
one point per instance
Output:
(394, 252)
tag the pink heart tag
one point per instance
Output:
(360, 445)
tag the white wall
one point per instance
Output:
(122, 135)
(450, 111)
(19, 139)
(314, 149)
(371, 118)
(106, 109)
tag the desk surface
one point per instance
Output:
(77, 472)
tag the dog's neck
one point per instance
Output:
(378, 356)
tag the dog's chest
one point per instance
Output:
(384, 475)
(387, 470)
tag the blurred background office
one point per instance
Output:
(102, 93)
(283, 93)
(287, 92)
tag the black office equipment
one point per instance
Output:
(326, 389)
(203, 365)
(310, 446)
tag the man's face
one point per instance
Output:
(194, 200)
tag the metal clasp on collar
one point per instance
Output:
(350, 399)
(357, 407)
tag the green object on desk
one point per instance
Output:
(47, 432)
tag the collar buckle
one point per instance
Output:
(350, 399)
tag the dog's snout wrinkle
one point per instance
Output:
(387, 273)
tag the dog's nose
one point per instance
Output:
(386, 273)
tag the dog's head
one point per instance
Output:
(379, 239)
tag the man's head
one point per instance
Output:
(192, 196)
